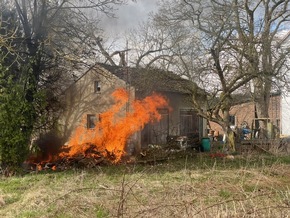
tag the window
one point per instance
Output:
(232, 120)
(91, 121)
(97, 86)
(189, 122)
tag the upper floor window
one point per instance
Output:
(97, 86)
(232, 120)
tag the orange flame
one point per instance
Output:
(39, 167)
(115, 126)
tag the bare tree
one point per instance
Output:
(152, 45)
(229, 45)
(148, 45)
(260, 39)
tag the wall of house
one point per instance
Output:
(285, 115)
(81, 99)
(171, 123)
(245, 113)
(178, 102)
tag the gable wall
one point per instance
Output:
(81, 99)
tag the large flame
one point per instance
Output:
(115, 126)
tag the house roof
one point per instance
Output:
(149, 80)
(246, 98)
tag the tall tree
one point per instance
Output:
(260, 38)
(230, 45)
(41, 41)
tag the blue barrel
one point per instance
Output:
(205, 144)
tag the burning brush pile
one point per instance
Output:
(106, 142)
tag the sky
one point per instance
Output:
(129, 16)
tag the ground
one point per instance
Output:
(180, 184)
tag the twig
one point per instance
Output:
(122, 199)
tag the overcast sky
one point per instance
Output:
(129, 16)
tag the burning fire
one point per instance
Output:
(109, 136)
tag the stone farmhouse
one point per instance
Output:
(90, 95)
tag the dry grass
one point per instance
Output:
(189, 186)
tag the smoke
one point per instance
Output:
(128, 16)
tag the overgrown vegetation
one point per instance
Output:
(191, 185)
(41, 43)
(17, 117)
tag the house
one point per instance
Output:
(242, 115)
(90, 96)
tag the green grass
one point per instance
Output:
(225, 194)
(185, 185)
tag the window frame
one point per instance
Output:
(97, 86)
(189, 121)
(91, 121)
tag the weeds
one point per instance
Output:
(185, 186)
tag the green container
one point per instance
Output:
(205, 144)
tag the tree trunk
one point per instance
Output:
(229, 133)
(262, 84)
(229, 139)
(262, 99)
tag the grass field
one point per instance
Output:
(189, 185)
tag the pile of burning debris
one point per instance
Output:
(65, 163)
(89, 158)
